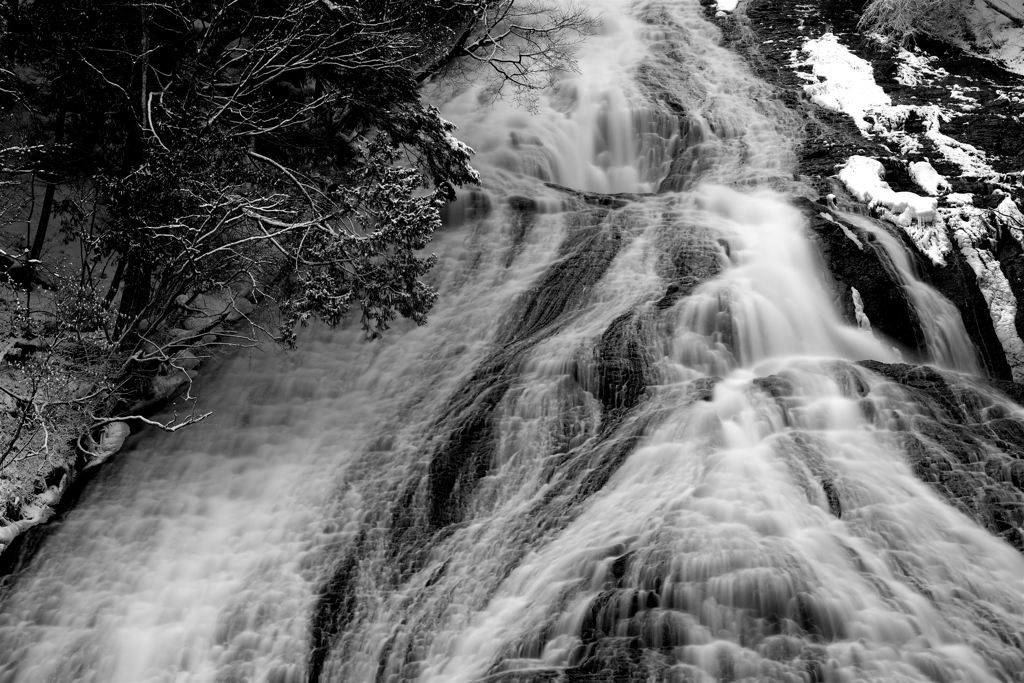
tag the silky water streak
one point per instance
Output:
(630, 444)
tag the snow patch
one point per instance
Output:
(971, 160)
(1009, 216)
(914, 213)
(843, 82)
(927, 178)
(727, 5)
(968, 103)
(1002, 305)
(959, 199)
(846, 82)
(996, 32)
(888, 123)
(915, 68)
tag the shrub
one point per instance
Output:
(905, 20)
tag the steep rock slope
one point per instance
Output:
(944, 127)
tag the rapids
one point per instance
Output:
(630, 444)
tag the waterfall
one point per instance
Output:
(945, 336)
(632, 442)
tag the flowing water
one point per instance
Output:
(629, 445)
(943, 328)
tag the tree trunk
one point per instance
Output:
(135, 297)
(45, 211)
(115, 283)
(133, 267)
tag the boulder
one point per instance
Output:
(185, 360)
(164, 386)
(112, 437)
(240, 308)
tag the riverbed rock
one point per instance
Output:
(185, 360)
(112, 437)
(165, 385)
(855, 261)
(240, 308)
(966, 442)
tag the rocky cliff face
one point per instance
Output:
(945, 128)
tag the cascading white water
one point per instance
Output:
(767, 529)
(943, 327)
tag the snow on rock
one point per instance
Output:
(927, 178)
(841, 81)
(997, 35)
(915, 68)
(727, 5)
(959, 199)
(846, 231)
(858, 307)
(846, 82)
(970, 159)
(1009, 216)
(1002, 305)
(34, 511)
(888, 123)
(914, 213)
(111, 439)
(967, 103)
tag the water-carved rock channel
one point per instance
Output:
(633, 443)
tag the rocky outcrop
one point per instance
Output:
(965, 440)
(856, 263)
(941, 109)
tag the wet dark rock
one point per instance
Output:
(957, 282)
(521, 223)
(704, 388)
(466, 433)
(802, 454)
(865, 268)
(696, 256)
(830, 138)
(600, 199)
(964, 444)
(775, 386)
(835, 505)
(584, 257)
(333, 610)
(621, 361)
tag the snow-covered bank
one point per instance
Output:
(843, 82)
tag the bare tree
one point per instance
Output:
(905, 20)
(520, 46)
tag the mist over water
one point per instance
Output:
(629, 445)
